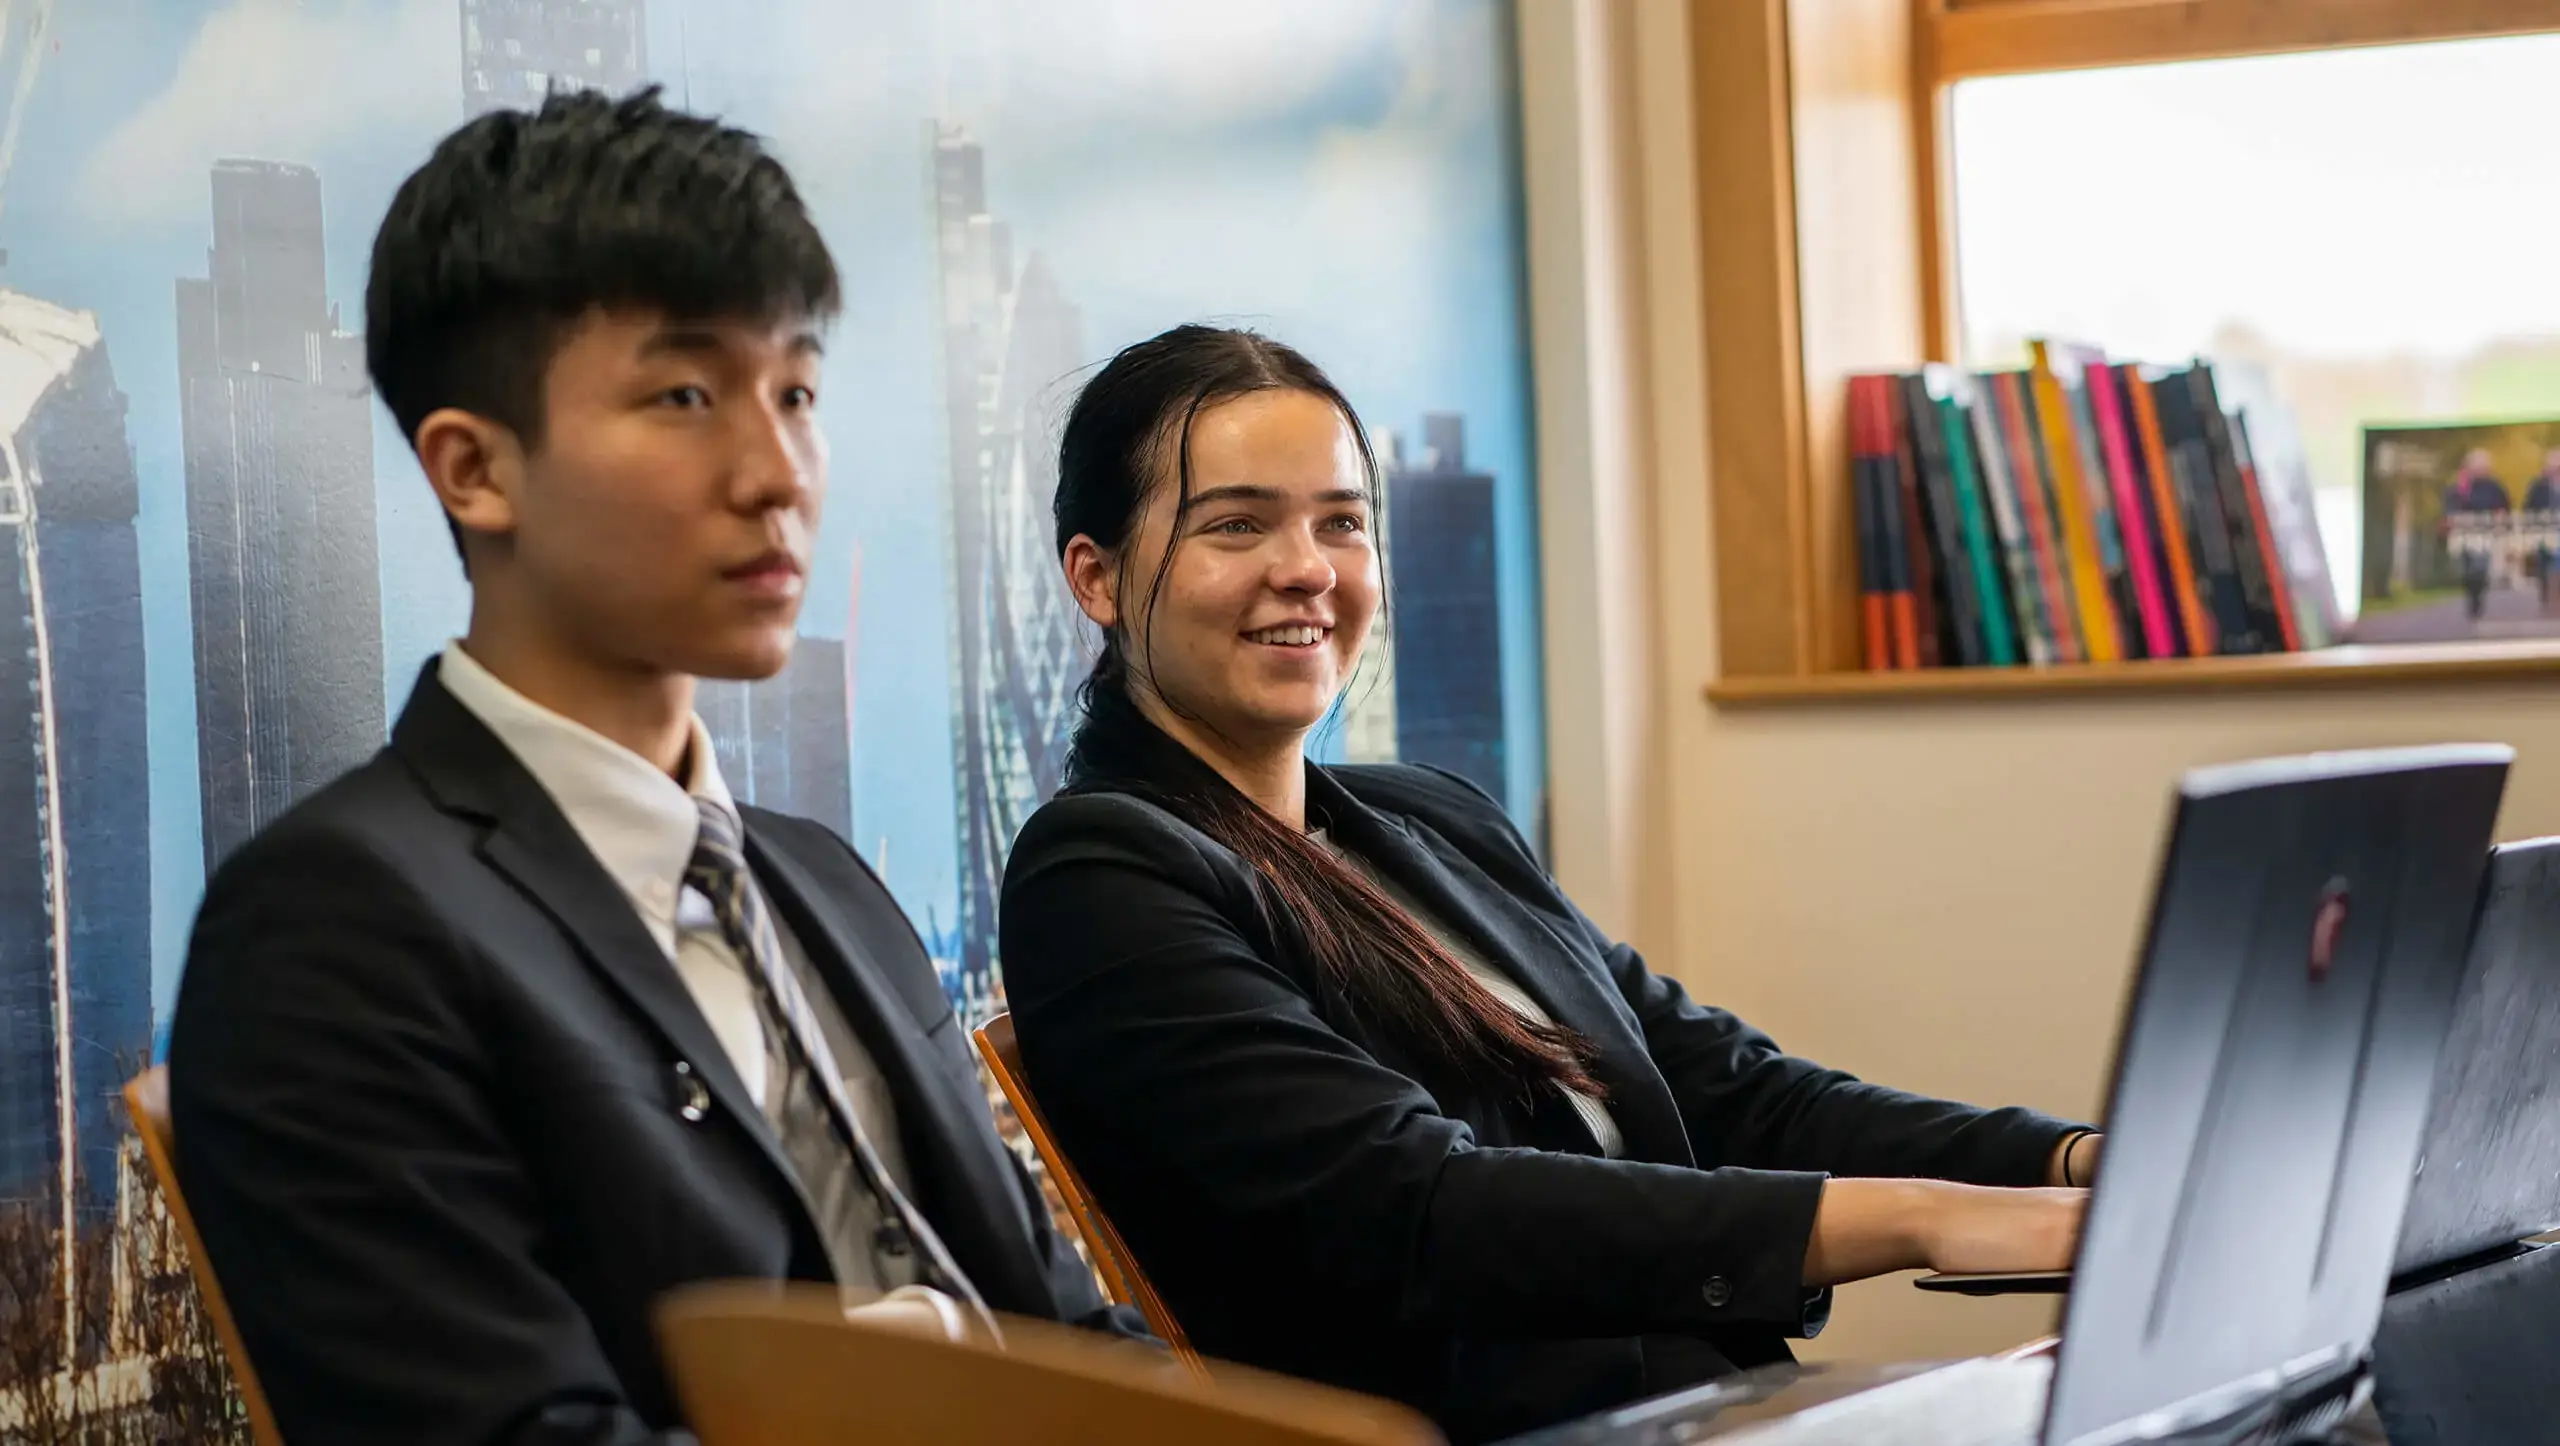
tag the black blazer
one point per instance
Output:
(430, 1075)
(1311, 1198)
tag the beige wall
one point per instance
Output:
(1941, 895)
(1949, 898)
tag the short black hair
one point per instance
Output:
(522, 222)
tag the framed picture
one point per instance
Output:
(2461, 529)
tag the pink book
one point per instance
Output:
(2133, 519)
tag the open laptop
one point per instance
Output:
(2464, 1349)
(2306, 940)
(2488, 1172)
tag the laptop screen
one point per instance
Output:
(2489, 1170)
(2306, 939)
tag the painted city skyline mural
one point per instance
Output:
(225, 571)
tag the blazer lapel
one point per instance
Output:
(946, 1131)
(1523, 944)
(532, 843)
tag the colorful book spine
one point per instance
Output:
(2113, 558)
(1869, 462)
(2274, 443)
(2191, 469)
(2195, 621)
(1963, 627)
(2085, 556)
(1952, 390)
(2280, 594)
(2044, 523)
(2249, 557)
(2142, 556)
(2017, 549)
(1916, 623)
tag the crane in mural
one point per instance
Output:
(24, 48)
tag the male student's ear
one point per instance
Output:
(475, 466)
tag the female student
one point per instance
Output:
(1368, 1096)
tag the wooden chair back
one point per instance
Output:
(756, 1363)
(1112, 1261)
(146, 1098)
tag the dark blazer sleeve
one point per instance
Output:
(338, 1141)
(1146, 1009)
(1745, 1100)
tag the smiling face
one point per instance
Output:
(1273, 578)
(662, 521)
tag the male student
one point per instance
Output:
(492, 1042)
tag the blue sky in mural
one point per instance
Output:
(1339, 172)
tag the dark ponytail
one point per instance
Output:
(1136, 413)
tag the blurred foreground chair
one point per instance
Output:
(760, 1364)
(1122, 1280)
(146, 1098)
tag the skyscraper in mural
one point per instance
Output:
(1448, 628)
(75, 806)
(278, 434)
(513, 51)
(785, 743)
(1011, 343)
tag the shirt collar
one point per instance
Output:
(639, 823)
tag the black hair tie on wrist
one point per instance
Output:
(2071, 1142)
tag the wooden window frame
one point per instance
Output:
(1826, 233)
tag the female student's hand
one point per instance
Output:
(1870, 1227)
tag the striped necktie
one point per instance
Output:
(719, 870)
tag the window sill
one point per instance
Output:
(2351, 666)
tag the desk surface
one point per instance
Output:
(2010, 1393)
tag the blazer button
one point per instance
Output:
(693, 1097)
(1718, 1292)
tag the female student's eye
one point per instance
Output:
(799, 399)
(686, 397)
(1348, 522)
(1232, 527)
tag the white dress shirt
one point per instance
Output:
(641, 825)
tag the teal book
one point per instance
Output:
(1953, 392)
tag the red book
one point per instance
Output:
(1869, 459)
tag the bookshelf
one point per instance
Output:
(1825, 242)
(2350, 666)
